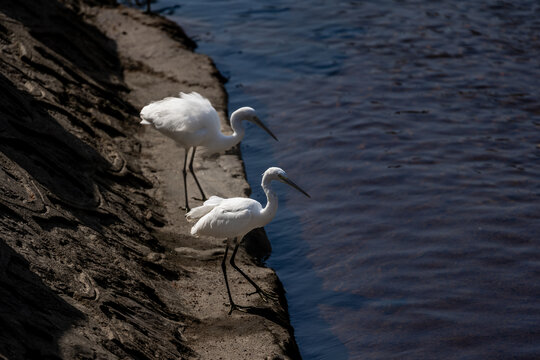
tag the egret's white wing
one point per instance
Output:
(231, 218)
(189, 112)
(239, 204)
(214, 200)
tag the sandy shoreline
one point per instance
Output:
(96, 260)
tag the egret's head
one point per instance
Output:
(275, 173)
(247, 113)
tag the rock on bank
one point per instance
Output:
(95, 257)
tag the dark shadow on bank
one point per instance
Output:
(62, 30)
(51, 180)
(67, 171)
(305, 292)
(279, 318)
(305, 295)
(60, 168)
(33, 317)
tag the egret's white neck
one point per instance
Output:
(228, 141)
(271, 207)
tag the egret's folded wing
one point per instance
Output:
(223, 223)
(213, 200)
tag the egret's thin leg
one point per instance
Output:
(224, 268)
(193, 173)
(263, 294)
(184, 172)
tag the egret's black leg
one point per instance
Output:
(224, 268)
(263, 294)
(195, 177)
(184, 172)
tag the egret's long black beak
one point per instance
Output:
(290, 182)
(258, 122)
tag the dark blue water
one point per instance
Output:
(415, 125)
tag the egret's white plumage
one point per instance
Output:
(233, 218)
(191, 121)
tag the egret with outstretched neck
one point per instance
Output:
(191, 121)
(233, 218)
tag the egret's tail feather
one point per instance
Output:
(213, 200)
(196, 98)
(146, 115)
(198, 212)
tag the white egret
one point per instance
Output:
(191, 121)
(233, 218)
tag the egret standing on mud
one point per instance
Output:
(191, 121)
(233, 218)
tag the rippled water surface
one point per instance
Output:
(415, 127)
